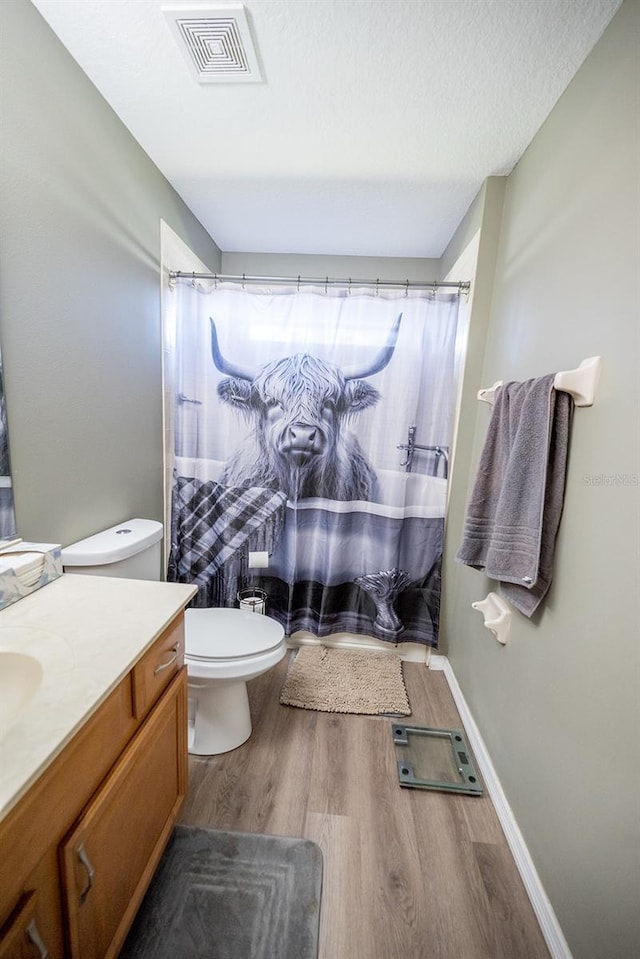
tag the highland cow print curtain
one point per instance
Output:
(292, 417)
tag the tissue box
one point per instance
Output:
(25, 567)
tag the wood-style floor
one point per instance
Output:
(408, 873)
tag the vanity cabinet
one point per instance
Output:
(80, 848)
(112, 852)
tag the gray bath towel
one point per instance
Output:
(514, 512)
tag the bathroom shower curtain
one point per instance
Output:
(289, 409)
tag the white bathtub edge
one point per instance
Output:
(409, 652)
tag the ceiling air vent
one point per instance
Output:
(216, 42)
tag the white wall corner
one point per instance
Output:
(547, 919)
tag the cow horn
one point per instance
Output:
(224, 365)
(380, 361)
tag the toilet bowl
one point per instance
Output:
(224, 648)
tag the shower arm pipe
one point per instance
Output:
(462, 286)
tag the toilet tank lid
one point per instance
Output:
(112, 545)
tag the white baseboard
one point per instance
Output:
(547, 919)
(437, 661)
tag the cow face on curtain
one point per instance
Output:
(298, 402)
(300, 407)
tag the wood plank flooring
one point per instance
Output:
(408, 874)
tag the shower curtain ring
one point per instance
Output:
(349, 287)
(377, 285)
(193, 280)
(406, 289)
(243, 276)
(298, 283)
(326, 283)
(215, 281)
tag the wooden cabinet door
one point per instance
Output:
(110, 856)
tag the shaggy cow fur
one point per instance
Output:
(299, 406)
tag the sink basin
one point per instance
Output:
(20, 679)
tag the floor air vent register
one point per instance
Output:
(435, 759)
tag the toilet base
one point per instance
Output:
(219, 716)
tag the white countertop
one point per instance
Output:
(87, 632)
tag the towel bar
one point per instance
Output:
(581, 383)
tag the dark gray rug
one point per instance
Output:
(230, 895)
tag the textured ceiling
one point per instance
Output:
(374, 128)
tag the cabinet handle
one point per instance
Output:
(81, 853)
(176, 653)
(34, 937)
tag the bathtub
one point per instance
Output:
(332, 542)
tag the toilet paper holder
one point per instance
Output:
(253, 599)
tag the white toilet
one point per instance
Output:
(224, 648)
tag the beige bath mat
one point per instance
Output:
(346, 681)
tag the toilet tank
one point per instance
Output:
(131, 550)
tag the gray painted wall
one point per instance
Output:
(338, 267)
(559, 706)
(80, 207)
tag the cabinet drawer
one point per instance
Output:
(109, 858)
(153, 673)
(20, 939)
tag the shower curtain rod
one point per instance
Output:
(462, 286)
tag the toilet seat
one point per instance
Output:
(223, 643)
(221, 634)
